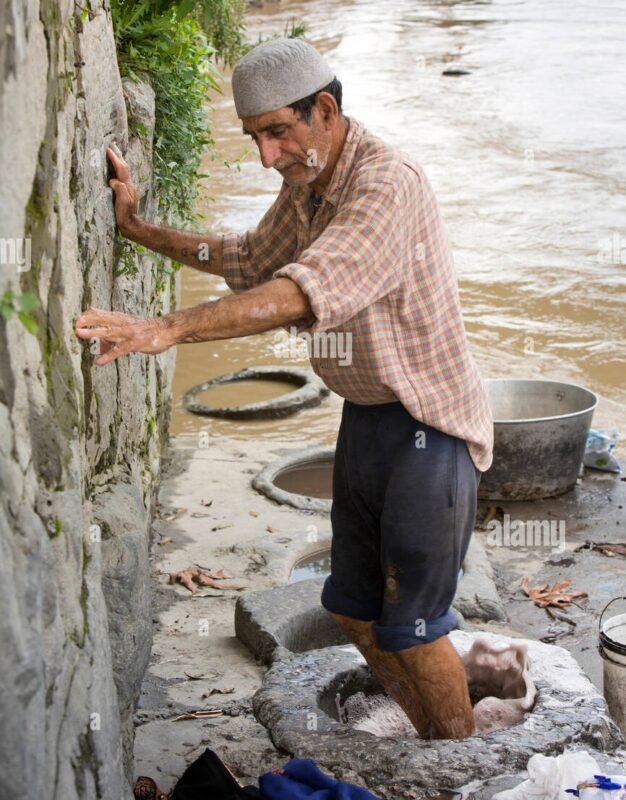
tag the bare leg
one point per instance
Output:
(441, 683)
(389, 671)
(427, 681)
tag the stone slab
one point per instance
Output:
(297, 698)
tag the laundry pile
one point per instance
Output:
(208, 777)
(501, 690)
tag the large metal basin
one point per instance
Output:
(541, 428)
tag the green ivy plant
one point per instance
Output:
(176, 45)
(22, 305)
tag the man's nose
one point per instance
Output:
(269, 151)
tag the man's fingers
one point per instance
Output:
(109, 333)
(109, 352)
(97, 316)
(120, 166)
(111, 355)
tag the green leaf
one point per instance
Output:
(28, 322)
(28, 301)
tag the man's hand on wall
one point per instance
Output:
(125, 193)
(262, 308)
(121, 334)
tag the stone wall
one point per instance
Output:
(80, 445)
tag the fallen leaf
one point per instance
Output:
(269, 529)
(199, 715)
(173, 513)
(253, 513)
(218, 574)
(606, 548)
(197, 514)
(557, 596)
(217, 690)
(166, 540)
(192, 577)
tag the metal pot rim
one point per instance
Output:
(545, 419)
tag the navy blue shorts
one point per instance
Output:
(404, 505)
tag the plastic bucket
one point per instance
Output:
(612, 647)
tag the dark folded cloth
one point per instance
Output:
(301, 779)
(208, 779)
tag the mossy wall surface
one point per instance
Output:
(80, 445)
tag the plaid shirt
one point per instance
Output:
(377, 268)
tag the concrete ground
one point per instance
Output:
(210, 516)
(593, 512)
(195, 651)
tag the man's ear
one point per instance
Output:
(327, 105)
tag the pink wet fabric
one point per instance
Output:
(501, 689)
(376, 265)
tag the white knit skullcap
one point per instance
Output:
(275, 74)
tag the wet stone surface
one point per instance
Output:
(291, 616)
(297, 703)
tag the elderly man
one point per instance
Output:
(352, 246)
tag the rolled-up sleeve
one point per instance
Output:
(250, 258)
(358, 257)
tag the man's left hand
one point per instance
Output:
(121, 334)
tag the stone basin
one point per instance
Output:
(298, 703)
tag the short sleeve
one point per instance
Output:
(359, 256)
(250, 258)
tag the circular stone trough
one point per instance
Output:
(299, 701)
(316, 461)
(310, 392)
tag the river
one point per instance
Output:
(527, 155)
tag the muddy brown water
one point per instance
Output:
(528, 159)
(314, 480)
(315, 565)
(240, 393)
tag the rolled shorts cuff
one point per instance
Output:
(392, 638)
(338, 603)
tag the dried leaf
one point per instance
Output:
(609, 549)
(253, 513)
(192, 577)
(218, 574)
(173, 513)
(269, 529)
(557, 596)
(199, 715)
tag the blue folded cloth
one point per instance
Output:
(302, 779)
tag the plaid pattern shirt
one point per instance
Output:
(377, 268)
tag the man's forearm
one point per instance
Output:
(263, 308)
(200, 250)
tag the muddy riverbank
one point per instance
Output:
(210, 515)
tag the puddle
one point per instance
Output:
(239, 393)
(315, 565)
(311, 480)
